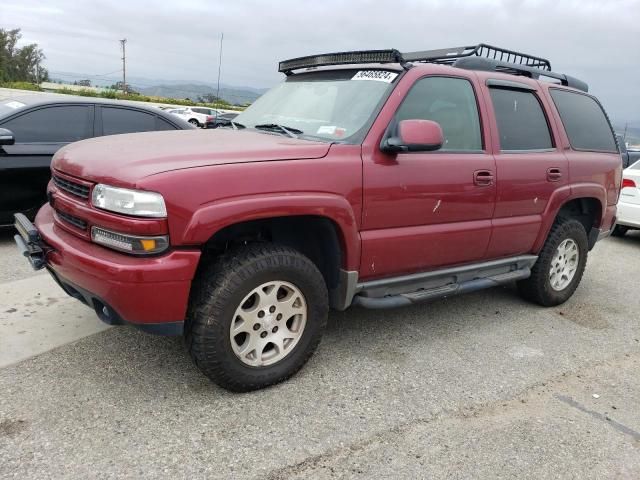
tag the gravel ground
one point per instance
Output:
(478, 386)
(12, 265)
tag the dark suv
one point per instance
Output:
(371, 178)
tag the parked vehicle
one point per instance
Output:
(371, 178)
(221, 120)
(39, 125)
(629, 157)
(197, 116)
(629, 203)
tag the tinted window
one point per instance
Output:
(584, 121)
(162, 124)
(450, 102)
(52, 124)
(122, 120)
(521, 121)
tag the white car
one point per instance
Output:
(197, 116)
(629, 203)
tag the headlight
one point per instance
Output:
(138, 203)
(130, 243)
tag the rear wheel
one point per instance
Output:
(560, 265)
(619, 231)
(194, 122)
(257, 315)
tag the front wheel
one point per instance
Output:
(256, 316)
(560, 265)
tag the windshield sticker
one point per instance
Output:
(14, 104)
(331, 130)
(326, 130)
(377, 75)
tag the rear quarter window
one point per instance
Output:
(584, 121)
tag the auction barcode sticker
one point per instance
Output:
(377, 75)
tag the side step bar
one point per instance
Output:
(423, 287)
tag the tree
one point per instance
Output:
(208, 98)
(20, 64)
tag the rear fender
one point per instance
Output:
(564, 195)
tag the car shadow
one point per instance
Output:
(143, 364)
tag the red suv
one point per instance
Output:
(371, 178)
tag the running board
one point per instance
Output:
(424, 287)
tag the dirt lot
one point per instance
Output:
(480, 386)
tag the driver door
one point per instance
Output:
(426, 210)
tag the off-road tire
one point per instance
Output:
(219, 289)
(619, 231)
(537, 288)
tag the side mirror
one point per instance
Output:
(6, 137)
(414, 136)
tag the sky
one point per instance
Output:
(597, 41)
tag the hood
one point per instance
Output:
(122, 160)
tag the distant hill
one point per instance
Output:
(191, 89)
(234, 95)
(633, 133)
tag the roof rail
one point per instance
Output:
(478, 57)
(490, 65)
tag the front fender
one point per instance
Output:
(213, 217)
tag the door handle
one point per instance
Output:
(554, 174)
(483, 178)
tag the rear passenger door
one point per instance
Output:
(530, 166)
(117, 120)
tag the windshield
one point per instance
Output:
(332, 105)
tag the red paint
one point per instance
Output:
(395, 213)
(141, 290)
(420, 132)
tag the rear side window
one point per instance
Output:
(452, 103)
(521, 121)
(162, 124)
(123, 120)
(584, 121)
(52, 125)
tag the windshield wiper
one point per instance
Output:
(237, 125)
(292, 132)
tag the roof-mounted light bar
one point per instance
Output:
(340, 58)
(476, 57)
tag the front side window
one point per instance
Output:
(62, 124)
(451, 103)
(584, 121)
(332, 105)
(521, 121)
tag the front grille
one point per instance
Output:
(73, 220)
(73, 188)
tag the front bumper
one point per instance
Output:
(151, 293)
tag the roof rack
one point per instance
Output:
(450, 55)
(478, 57)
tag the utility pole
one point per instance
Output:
(219, 69)
(123, 42)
